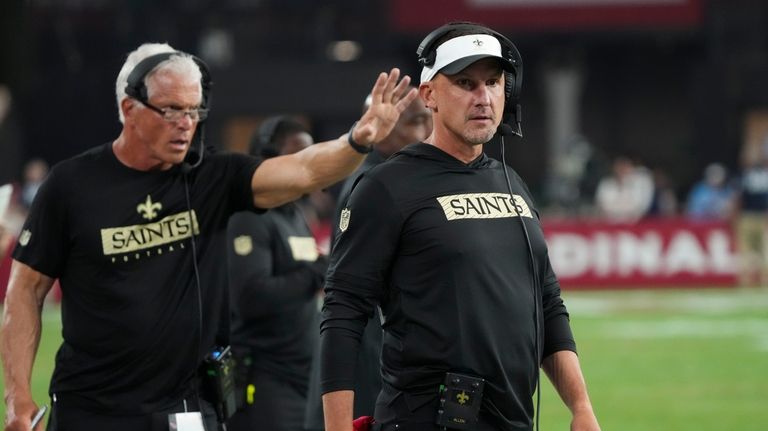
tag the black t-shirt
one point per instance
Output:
(274, 276)
(119, 241)
(438, 243)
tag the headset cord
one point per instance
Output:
(534, 275)
(198, 291)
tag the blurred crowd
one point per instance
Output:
(624, 190)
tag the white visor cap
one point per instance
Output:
(456, 54)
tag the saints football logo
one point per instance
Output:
(149, 209)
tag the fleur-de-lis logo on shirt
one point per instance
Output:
(478, 42)
(149, 209)
(462, 398)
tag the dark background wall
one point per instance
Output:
(672, 95)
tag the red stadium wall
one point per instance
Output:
(653, 253)
(593, 254)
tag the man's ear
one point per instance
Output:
(427, 93)
(128, 106)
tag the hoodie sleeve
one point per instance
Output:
(360, 260)
(557, 327)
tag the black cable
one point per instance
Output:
(201, 137)
(506, 130)
(197, 284)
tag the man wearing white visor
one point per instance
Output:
(470, 306)
(458, 53)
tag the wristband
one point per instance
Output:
(362, 149)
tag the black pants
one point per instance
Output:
(66, 417)
(277, 406)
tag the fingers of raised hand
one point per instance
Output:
(378, 88)
(401, 89)
(389, 90)
(406, 100)
(385, 87)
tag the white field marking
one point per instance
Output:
(689, 328)
(699, 301)
(704, 302)
(762, 343)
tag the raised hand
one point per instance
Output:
(389, 98)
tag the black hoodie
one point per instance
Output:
(438, 244)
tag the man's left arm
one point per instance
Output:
(285, 178)
(561, 364)
(564, 371)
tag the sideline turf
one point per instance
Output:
(678, 360)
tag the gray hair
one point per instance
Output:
(183, 64)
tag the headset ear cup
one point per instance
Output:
(429, 60)
(509, 99)
(205, 82)
(265, 144)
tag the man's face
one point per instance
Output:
(470, 103)
(414, 125)
(166, 142)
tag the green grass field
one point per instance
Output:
(654, 360)
(670, 360)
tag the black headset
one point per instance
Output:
(513, 81)
(263, 143)
(137, 88)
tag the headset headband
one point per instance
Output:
(136, 88)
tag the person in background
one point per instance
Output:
(449, 245)
(626, 195)
(134, 230)
(664, 199)
(35, 172)
(711, 198)
(414, 125)
(275, 274)
(751, 219)
(11, 136)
